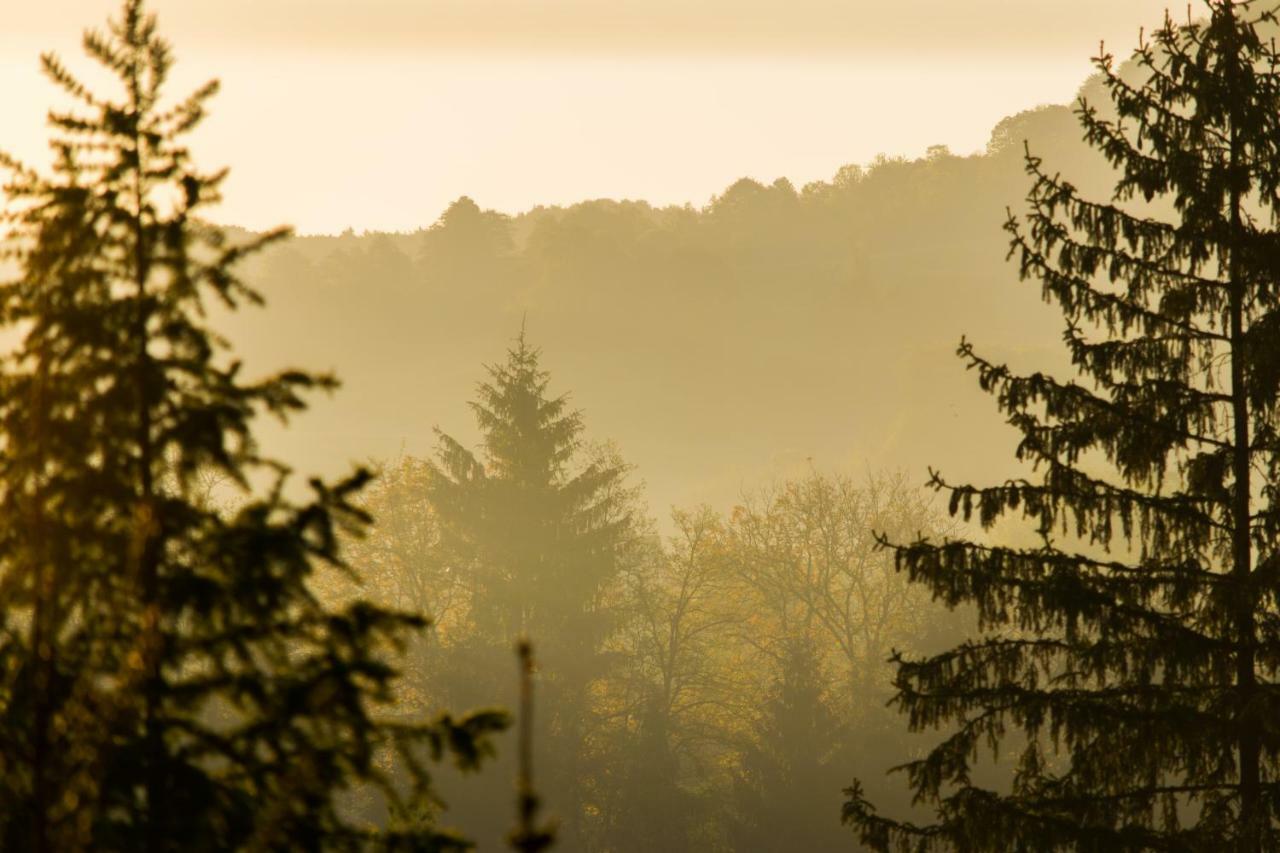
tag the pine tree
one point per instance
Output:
(540, 539)
(168, 678)
(537, 531)
(1132, 658)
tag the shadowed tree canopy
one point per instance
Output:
(791, 760)
(1132, 657)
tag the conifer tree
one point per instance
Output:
(537, 531)
(1132, 657)
(653, 807)
(791, 764)
(540, 539)
(168, 678)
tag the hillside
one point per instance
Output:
(716, 345)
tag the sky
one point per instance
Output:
(375, 114)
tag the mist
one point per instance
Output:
(747, 427)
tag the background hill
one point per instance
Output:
(716, 345)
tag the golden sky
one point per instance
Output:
(799, 27)
(376, 113)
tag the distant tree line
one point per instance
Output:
(762, 304)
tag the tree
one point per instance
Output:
(402, 565)
(467, 258)
(668, 695)
(733, 636)
(168, 679)
(811, 583)
(537, 539)
(537, 532)
(791, 761)
(1134, 653)
(807, 559)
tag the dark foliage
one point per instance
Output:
(1132, 657)
(168, 679)
(791, 769)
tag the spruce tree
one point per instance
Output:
(791, 765)
(653, 807)
(168, 678)
(537, 530)
(539, 538)
(1132, 658)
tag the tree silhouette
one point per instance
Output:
(1134, 654)
(168, 679)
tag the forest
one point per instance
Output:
(931, 507)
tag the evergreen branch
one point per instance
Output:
(1134, 102)
(1105, 223)
(1047, 592)
(1074, 294)
(1094, 504)
(1089, 420)
(1149, 569)
(1170, 357)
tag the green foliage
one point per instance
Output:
(1132, 657)
(168, 678)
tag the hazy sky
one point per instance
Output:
(376, 113)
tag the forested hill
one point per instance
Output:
(715, 345)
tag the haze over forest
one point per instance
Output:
(645, 320)
(719, 346)
(771, 335)
(781, 289)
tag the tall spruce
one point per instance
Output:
(1132, 657)
(539, 538)
(168, 678)
(537, 529)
